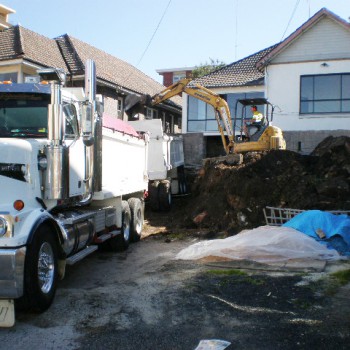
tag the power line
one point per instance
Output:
(149, 43)
(236, 27)
(291, 17)
(154, 33)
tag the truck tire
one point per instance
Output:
(164, 195)
(137, 217)
(153, 190)
(120, 242)
(124, 238)
(40, 272)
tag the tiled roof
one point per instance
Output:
(108, 67)
(70, 54)
(240, 73)
(10, 44)
(19, 42)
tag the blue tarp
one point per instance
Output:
(336, 228)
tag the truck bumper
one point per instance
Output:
(12, 272)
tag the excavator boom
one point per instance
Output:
(222, 111)
(271, 137)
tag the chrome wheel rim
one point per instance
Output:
(126, 231)
(46, 267)
(139, 221)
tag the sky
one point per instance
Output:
(162, 34)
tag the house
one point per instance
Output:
(306, 76)
(173, 75)
(125, 89)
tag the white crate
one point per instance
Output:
(279, 216)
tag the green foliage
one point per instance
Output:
(343, 276)
(206, 68)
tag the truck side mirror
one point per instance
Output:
(87, 123)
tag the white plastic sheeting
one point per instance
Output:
(263, 244)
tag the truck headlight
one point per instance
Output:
(3, 227)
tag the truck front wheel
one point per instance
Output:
(40, 272)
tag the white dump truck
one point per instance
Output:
(70, 182)
(165, 164)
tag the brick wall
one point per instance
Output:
(167, 79)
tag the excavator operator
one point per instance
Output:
(253, 123)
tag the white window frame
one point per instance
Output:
(151, 113)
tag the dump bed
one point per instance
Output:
(124, 159)
(165, 151)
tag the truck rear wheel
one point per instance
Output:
(153, 190)
(40, 272)
(137, 216)
(124, 237)
(164, 195)
(120, 242)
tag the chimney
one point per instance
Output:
(4, 17)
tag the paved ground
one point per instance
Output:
(144, 299)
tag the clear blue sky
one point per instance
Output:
(190, 32)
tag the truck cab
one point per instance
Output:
(67, 185)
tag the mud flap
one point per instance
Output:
(7, 313)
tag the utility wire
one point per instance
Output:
(154, 33)
(236, 27)
(149, 43)
(291, 17)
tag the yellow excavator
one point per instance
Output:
(264, 137)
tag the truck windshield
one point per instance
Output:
(23, 115)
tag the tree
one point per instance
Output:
(206, 68)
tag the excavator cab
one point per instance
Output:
(246, 130)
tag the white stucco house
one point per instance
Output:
(306, 76)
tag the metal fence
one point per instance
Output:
(279, 216)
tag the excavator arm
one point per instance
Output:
(222, 111)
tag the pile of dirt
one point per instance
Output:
(232, 197)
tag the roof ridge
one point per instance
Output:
(94, 47)
(114, 57)
(252, 55)
(235, 64)
(18, 34)
(64, 42)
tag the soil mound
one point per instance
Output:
(232, 197)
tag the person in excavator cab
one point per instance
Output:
(253, 125)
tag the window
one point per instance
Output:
(178, 76)
(151, 113)
(23, 115)
(120, 108)
(70, 113)
(201, 116)
(325, 94)
(9, 77)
